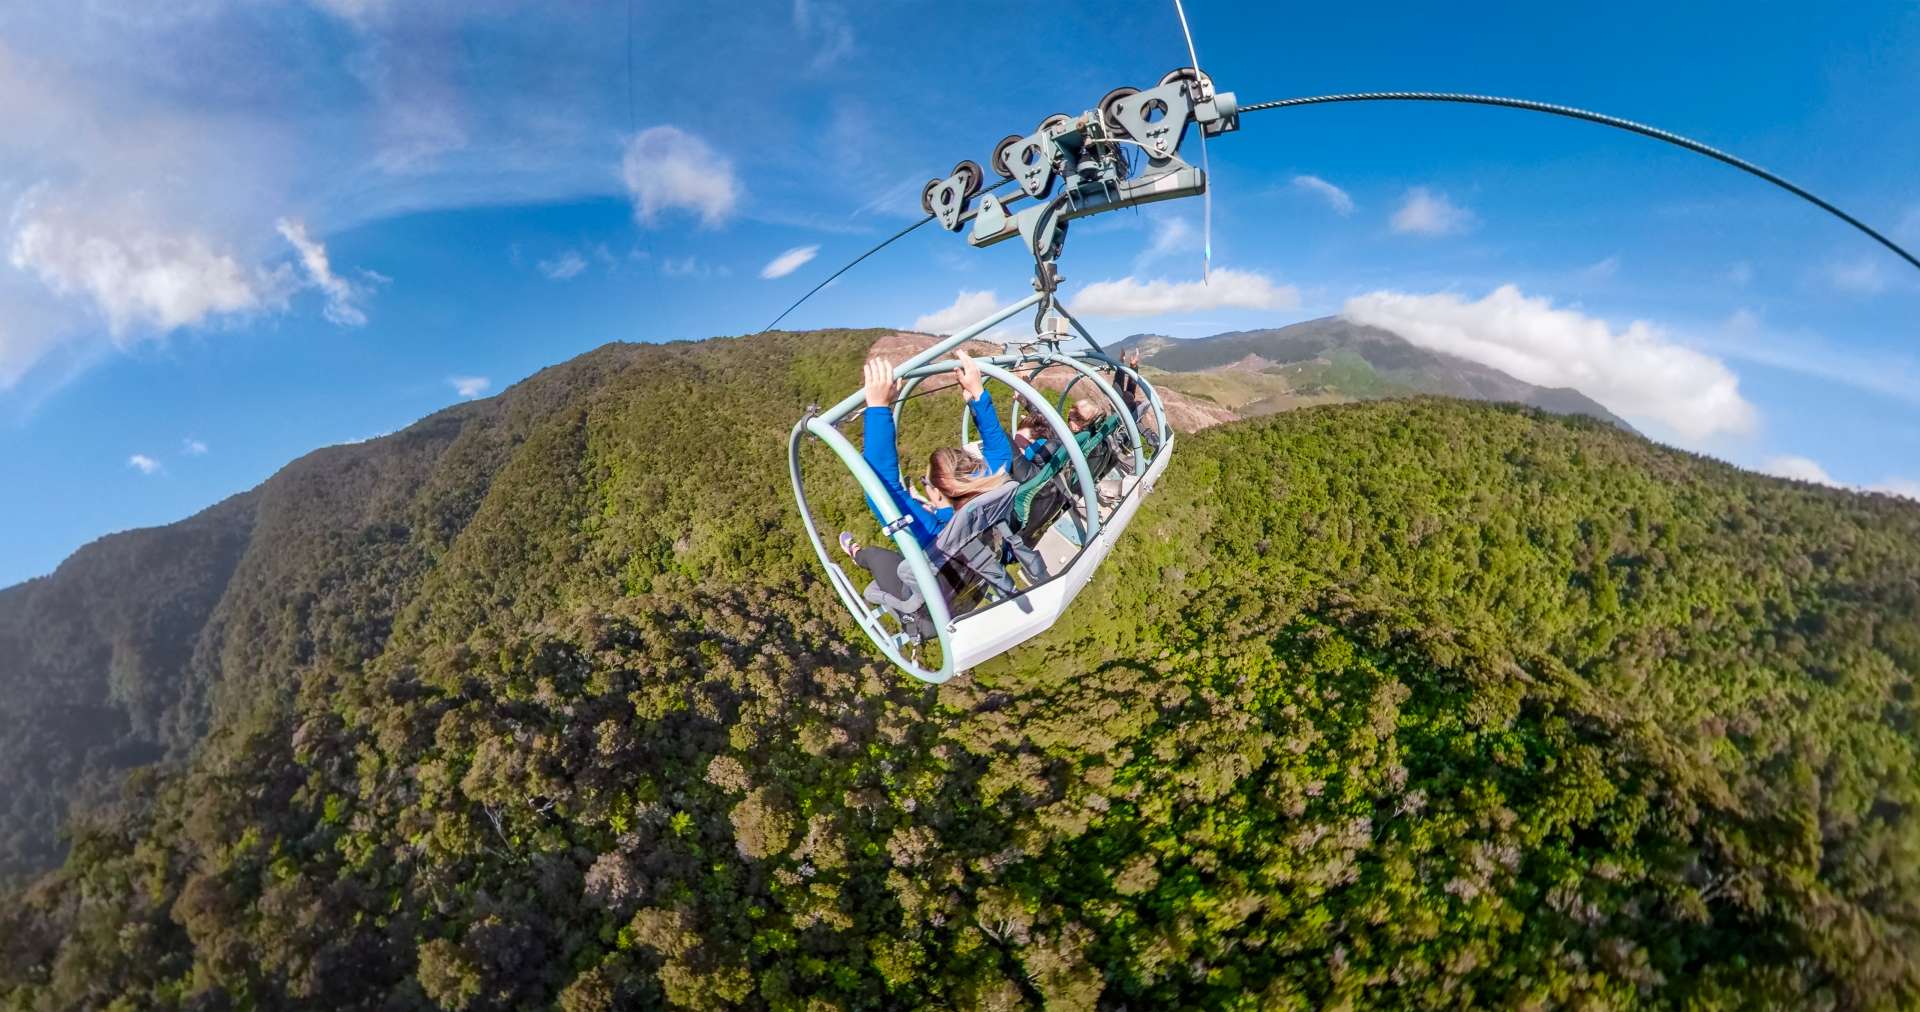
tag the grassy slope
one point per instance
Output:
(1401, 704)
(1337, 378)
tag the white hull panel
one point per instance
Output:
(992, 631)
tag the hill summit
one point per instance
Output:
(542, 703)
(1334, 360)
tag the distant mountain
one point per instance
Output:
(1333, 360)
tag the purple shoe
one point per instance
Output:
(848, 545)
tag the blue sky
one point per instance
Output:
(238, 230)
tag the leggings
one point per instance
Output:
(891, 589)
(884, 564)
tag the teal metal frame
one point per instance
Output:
(822, 425)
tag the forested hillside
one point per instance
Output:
(1403, 704)
(121, 655)
(92, 664)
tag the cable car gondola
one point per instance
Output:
(1123, 153)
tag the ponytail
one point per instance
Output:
(955, 474)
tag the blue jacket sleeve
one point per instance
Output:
(877, 446)
(995, 448)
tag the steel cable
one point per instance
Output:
(1592, 117)
(856, 260)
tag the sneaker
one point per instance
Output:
(848, 545)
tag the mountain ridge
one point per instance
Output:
(1393, 366)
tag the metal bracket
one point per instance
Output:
(1087, 153)
(1157, 118)
(991, 219)
(1033, 161)
(949, 200)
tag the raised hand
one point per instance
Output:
(929, 496)
(970, 382)
(880, 383)
(1131, 359)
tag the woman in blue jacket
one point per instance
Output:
(954, 476)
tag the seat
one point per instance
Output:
(966, 556)
(1051, 491)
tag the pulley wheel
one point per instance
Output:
(973, 174)
(926, 194)
(1054, 122)
(1111, 104)
(1002, 160)
(1188, 74)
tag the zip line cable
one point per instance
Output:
(631, 122)
(1592, 117)
(888, 241)
(1570, 112)
(1206, 168)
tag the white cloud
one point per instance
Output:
(143, 464)
(353, 11)
(788, 262)
(146, 124)
(1638, 372)
(898, 196)
(1798, 469)
(1859, 277)
(193, 447)
(38, 335)
(135, 277)
(1425, 212)
(1172, 235)
(1337, 199)
(1906, 488)
(564, 266)
(967, 308)
(1745, 337)
(691, 268)
(666, 167)
(1601, 270)
(1909, 227)
(1225, 289)
(343, 297)
(469, 386)
(824, 25)
(1807, 469)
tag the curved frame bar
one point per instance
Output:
(913, 372)
(1081, 370)
(1153, 396)
(913, 383)
(1066, 394)
(1084, 371)
(1013, 420)
(821, 426)
(1089, 485)
(910, 549)
(1100, 353)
